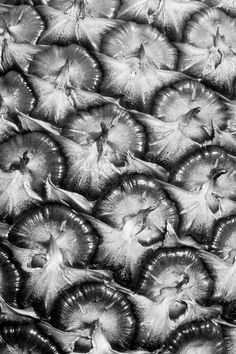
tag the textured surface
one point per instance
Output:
(117, 176)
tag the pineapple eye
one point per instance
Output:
(80, 21)
(208, 50)
(73, 234)
(169, 16)
(44, 154)
(82, 306)
(67, 66)
(116, 129)
(100, 140)
(24, 23)
(10, 277)
(195, 107)
(196, 337)
(23, 27)
(210, 165)
(137, 61)
(22, 185)
(177, 273)
(63, 79)
(27, 339)
(188, 115)
(135, 213)
(15, 94)
(135, 194)
(200, 209)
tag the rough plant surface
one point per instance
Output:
(118, 176)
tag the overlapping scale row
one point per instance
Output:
(117, 176)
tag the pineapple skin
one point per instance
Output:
(117, 176)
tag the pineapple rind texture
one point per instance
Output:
(117, 176)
